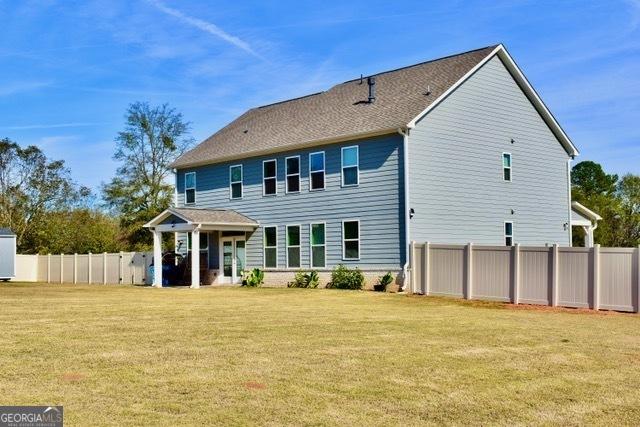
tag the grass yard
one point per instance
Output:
(117, 355)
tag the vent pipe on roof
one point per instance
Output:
(371, 81)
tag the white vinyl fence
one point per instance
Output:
(597, 278)
(106, 268)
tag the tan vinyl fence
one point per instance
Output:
(597, 278)
(107, 268)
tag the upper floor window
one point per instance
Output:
(293, 246)
(270, 247)
(293, 174)
(269, 180)
(189, 188)
(235, 181)
(351, 240)
(506, 166)
(318, 245)
(316, 171)
(508, 233)
(350, 166)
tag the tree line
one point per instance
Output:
(50, 213)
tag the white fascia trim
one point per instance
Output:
(284, 149)
(524, 84)
(164, 214)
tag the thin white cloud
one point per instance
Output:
(49, 141)
(10, 88)
(51, 126)
(205, 26)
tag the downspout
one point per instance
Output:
(405, 164)
(569, 201)
(175, 205)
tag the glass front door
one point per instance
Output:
(233, 260)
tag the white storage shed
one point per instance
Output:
(7, 254)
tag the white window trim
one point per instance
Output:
(510, 167)
(311, 245)
(264, 187)
(287, 175)
(359, 240)
(357, 166)
(287, 246)
(324, 171)
(264, 246)
(231, 182)
(504, 232)
(195, 192)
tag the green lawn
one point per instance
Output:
(118, 355)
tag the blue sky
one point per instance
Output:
(69, 69)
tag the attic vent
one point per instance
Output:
(371, 81)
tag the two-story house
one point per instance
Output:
(455, 150)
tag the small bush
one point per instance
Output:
(383, 282)
(305, 280)
(344, 278)
(253, 278)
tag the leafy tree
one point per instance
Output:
(590, 179)
(628, 192)
(31, 186)
(77, 230)
(616, 201)
(152, 139)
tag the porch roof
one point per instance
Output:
(581, 215)
(185, 219)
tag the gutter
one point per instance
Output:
(405, 164)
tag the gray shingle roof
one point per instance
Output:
(6, 232)
(213, 216)
(338, 113)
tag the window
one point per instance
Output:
(293, 246)
(293, 174)
(318, 245)
(316, 171)
(506, 166)
(351, 240)
(270, 247)
(508, 233)
(190, 188)
(235, 179)
(269, 180)
(350, 166)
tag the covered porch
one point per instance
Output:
(583, 217)
(229, 226)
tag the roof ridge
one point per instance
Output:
(424, 62)
(377, 74)
(289, 100)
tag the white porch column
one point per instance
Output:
(195, 258)
(588, 237)
(157, 258)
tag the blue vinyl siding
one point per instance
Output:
(377, 202)
(456, 179)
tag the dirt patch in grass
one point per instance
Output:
(253, 385)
